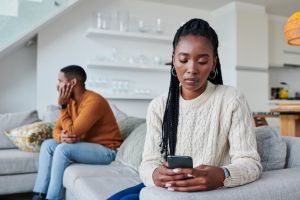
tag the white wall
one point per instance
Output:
(224, 23)
(243, 35)
(64, 42)
(18, 80)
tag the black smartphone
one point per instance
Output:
(180, 162)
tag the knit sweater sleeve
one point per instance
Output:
(245, 164)
(152, 157)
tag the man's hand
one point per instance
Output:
(203, 177)
(65, 94)
(163, 175)
(68, 138)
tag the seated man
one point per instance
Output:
(86, 132)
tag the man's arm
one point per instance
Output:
(86, 119)
(56, 133)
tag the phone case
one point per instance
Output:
(180, 162)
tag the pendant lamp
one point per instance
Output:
(292, 29)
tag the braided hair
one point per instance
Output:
(197, 27)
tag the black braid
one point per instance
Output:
(196, 27)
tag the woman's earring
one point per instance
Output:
(215, 72)
(173, 72)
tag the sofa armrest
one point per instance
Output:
(293, 148)
(273, 185)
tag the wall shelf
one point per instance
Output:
(128, 97)
(133, 67)
(94, 32)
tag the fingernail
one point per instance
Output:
(168, 185)
(176, 170)
(190, 175)
(170, 189)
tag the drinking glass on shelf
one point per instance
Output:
(159, 26)
(143, 26)
(123, 20)
(102, 20)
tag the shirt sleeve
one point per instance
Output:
(152, 157)
(89, 110)
(245, 164)
(57, 131)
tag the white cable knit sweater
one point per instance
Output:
(214, 129)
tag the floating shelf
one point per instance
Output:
(94, 32)
(126, 96)
(133, 67)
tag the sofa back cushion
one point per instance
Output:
(12, 120)
(130, 152)
(271, 148)
(293, 149)
(126, 123)
(51, 114)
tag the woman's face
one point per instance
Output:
(193, 61)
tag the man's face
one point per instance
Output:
(62, 81)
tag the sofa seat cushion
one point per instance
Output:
(94, 182)
(273, 185)
(14, 161)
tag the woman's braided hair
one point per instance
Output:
(197, 27)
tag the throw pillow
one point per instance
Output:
(271, 148)
(119, 115)
(130, 152)
(30, 137)
(13, 120)
(128, 124)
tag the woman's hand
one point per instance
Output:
(163, 175)
(203, 177)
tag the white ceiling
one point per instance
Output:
(276, 7)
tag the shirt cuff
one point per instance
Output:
(235, 176)
(146, 174)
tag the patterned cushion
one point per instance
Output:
(30, 137)
(12, 120)
(130, 152)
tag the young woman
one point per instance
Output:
(200, 118)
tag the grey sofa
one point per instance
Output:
(17, 168)
(87, 182)
(280, 159)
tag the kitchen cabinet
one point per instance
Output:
(132, 78)
(280, 52)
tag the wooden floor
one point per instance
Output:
(26, 196)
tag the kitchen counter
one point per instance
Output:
(289, 115)
(280, 101)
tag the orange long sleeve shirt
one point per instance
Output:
(92, 120)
